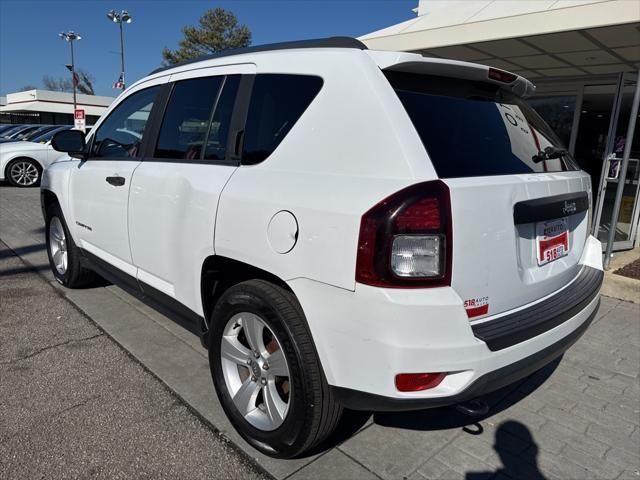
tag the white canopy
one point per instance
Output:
(534, 38)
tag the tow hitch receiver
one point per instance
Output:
(473, 408)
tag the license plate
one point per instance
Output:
(552, 240)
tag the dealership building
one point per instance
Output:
(582, 55)
(53, 108)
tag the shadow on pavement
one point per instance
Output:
(512, 464)
(36, 247)
(445, 418)
(15, 271)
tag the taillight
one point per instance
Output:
(405, 240)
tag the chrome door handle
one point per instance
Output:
(116, 181)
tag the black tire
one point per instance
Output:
(313, 411)
(27, 161)
(75, 276)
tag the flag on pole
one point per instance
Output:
(76, 79)
(120, 83)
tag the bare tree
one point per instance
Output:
(85, 83)
(27, 87)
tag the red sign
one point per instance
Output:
(78, 114)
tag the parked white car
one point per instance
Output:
(343, 227)
(22, 162)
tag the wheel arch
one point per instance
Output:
(219, 273)
(47, 198)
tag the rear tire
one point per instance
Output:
(64, 256)
(312, 412)
(23, 173)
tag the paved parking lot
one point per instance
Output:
(74, 404)
(577, 418)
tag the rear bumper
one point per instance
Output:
(516, 327)
(365, 338)
(489, 382)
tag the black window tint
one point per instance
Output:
(474, 129)
(277, 102)
(219, 131)
(120, 136)
(184, 126)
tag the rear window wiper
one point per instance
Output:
(549, 153)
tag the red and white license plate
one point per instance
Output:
(552, 240)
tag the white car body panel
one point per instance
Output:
(486, 242)
(374, 333)
(98, 210)
(187, 194)
(43, 153)
(354, 146)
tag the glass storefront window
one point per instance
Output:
(557, 111)
(626, 214)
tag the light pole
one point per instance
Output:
(70, 37)
(120, 18)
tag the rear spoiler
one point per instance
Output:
(415, 63)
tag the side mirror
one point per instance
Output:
(71, 142)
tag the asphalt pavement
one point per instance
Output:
(74, 404)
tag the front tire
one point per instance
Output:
(23, 173)
(286, 408)
(64, 256)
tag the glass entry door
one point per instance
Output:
(627, 223)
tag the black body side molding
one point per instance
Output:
(548, 208)
(183, 316)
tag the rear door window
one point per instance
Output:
(186, 119)
(472, 129)
(277, 102)
(216, 148)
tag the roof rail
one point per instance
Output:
(329, 42)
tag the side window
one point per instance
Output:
(120, 136)
(186, 119)
(219, 131)
(277, 102)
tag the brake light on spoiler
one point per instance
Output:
(501, 75)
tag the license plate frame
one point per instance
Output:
(552, 240)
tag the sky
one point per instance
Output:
(30, 47)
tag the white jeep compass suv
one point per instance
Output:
(342, 227)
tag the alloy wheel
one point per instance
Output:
(58, 245)
(255, 371)
(24, 173)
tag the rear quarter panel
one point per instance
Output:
(342, 157)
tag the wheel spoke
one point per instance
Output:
(57, 258)
(278, 364)
(253, 328)
(245, 397)
(232, 349)
(275, 407)
(56, 233)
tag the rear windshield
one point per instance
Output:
(474, 129)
